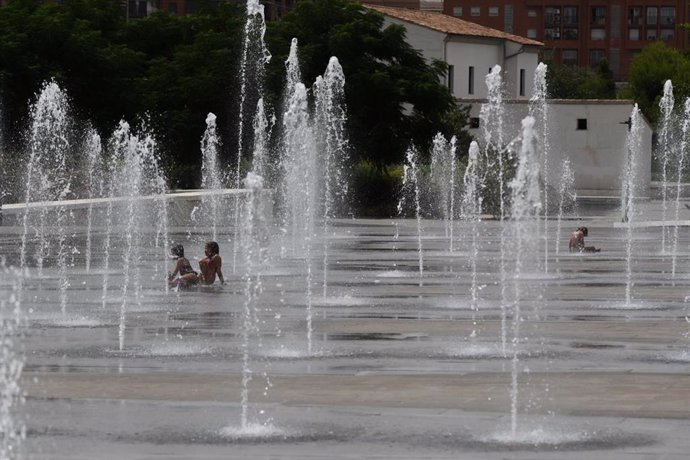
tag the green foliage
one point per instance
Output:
(577, 83)
(170, 70)
(375, 189)
(394, 97)
(649, 71)
(491, 179)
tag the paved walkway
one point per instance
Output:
(385, 365)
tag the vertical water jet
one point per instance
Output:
(666, 151)
(526, 207)
(470, 211)
(680, 171)
(633, 149)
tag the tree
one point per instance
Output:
(191, 64)
(394, 97)
(649, 70)
(576, 83)
(166, 69)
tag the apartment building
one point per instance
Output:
(137, 9)
(582, 32)
(469, 49)
(273, 9)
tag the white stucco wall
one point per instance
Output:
(597, 154)
(481, 55)
(463, 52)
(428, 41)
(517, 58)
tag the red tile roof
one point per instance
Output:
(449, 24)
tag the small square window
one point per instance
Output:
(598, 34)
(531, 13)
(474, 123)
(457, 11)
(493, 11)
(633, 34)
(475, 11)
(569, 58)
(581, 124)
(531, 33)
(667, 34)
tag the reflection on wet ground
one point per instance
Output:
(399, 367)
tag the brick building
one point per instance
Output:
(582, 32)
(273, 9)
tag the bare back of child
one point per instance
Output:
(211, 265)
(577, 241)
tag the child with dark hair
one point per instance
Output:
(183, 274)
(211, 264)
(577, 241)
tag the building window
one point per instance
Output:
(474, 122)
(668, 16)
(595, 56)
(552, 17)
(508, 19)
(615, 60)
(522, 82)
(531, 13)
(569, 58)
(635, 16)
(172, 8)
(570, 17)
(552, 34)
(493, 11)
(470, 81)
(457, 11)
(531, 33)
(475, 11)
(451, 75)
(571, 33)
(651, 35)
(581, 124)
(616, 17)
(598, 16)
(667, 35)
(651, 15)
(598, 34)
(633, 34)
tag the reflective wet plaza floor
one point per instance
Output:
(385, 364)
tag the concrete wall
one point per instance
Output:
(519, 58)
(481, 54)
(430, 42)
(180, 207)
(597, 154)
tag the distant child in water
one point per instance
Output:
(183, 274)
(211, 264)
(577, 241)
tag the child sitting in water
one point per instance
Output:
(577, 241)
(183, 275)
(210, 266)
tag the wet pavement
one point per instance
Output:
(398, 366)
